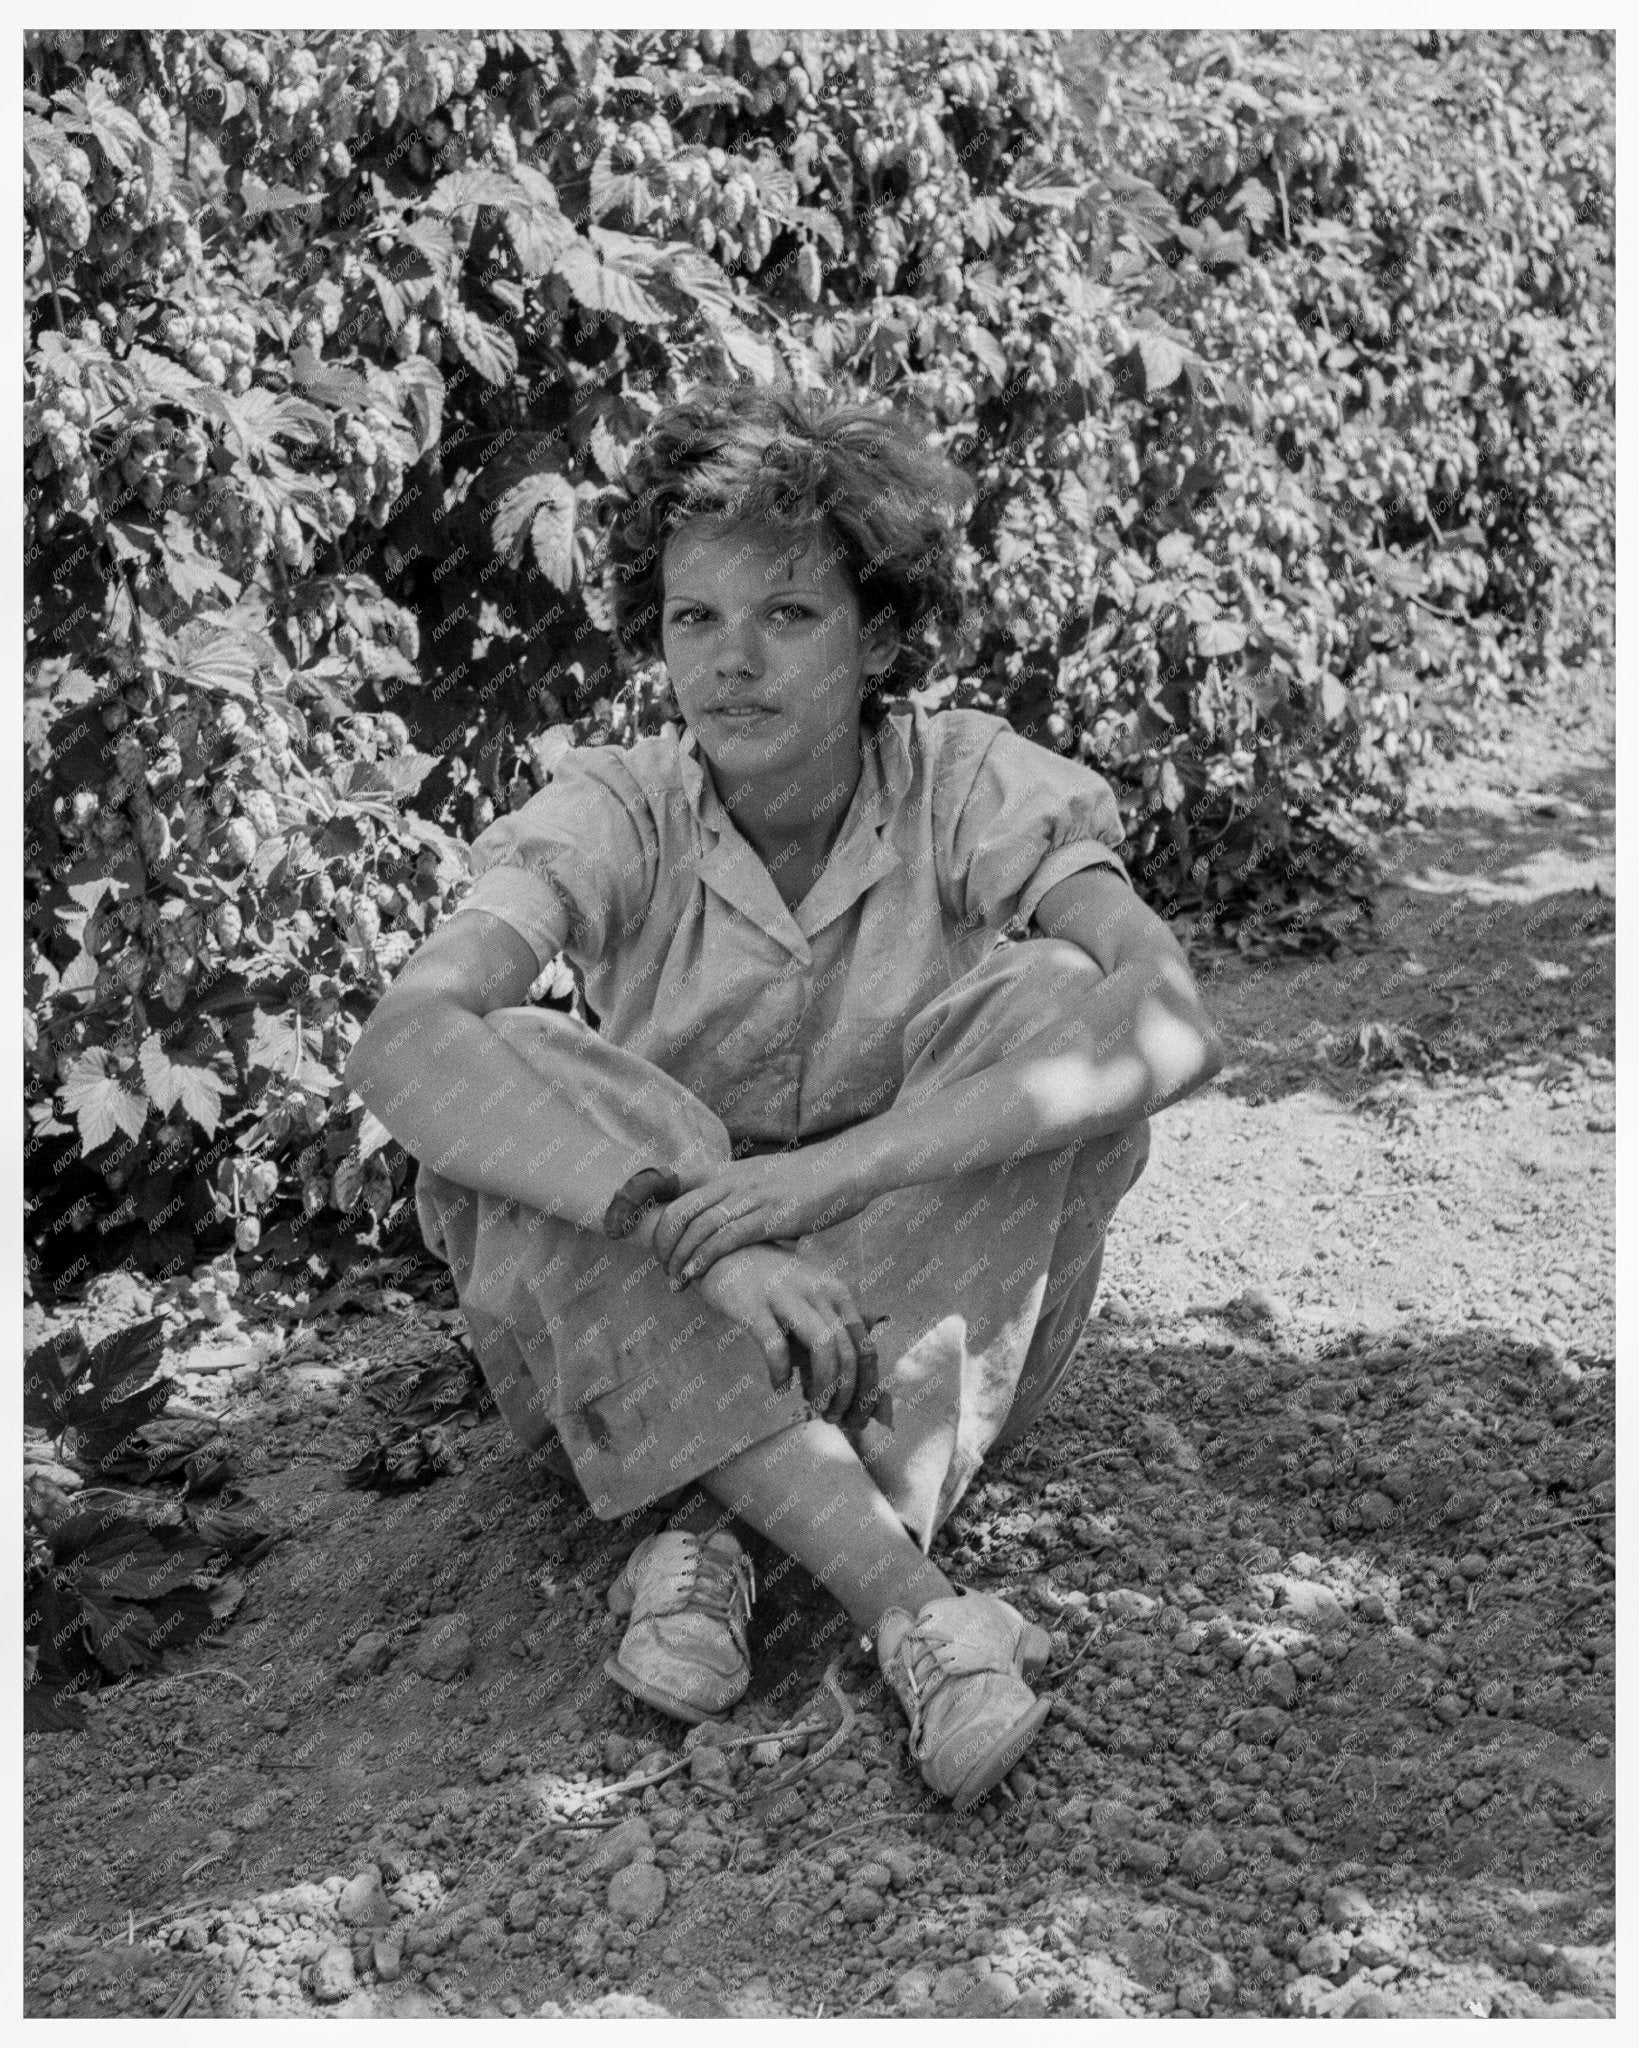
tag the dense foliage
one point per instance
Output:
(1292, 424)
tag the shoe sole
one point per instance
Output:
(657, 1696)
(1000, 1758)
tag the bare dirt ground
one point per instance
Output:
(1324, 1532)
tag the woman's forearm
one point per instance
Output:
(463, 1102)
(1137, 1047)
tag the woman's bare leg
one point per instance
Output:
(807, 1490)
(698, 1514)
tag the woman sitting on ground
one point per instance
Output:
(812, 1220)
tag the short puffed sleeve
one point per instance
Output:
(574, 870)
(1015, 820)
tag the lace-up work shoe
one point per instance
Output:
(958, 1670)
(689, 1598)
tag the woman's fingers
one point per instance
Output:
(676, 1218)
(775, 1349)
(847, 1376)
(818, 1335)
(866, 1386)
(740, 1205)
(855, 1344)
(836, 1362)
(808, 1348)
(805, 1321)
(710, 1237)
(709, 1203)
(692, 1241)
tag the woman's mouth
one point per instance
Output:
(741, 714)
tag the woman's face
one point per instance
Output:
(763, 643)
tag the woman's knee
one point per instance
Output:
(1112, 1164)
(1129, 1152)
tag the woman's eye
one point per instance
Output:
(686, 617)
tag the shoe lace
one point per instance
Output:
(721, 1582)
(918, 1657)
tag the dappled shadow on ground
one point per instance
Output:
(1490, 946)
(1332, 1722)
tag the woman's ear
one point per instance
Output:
(879, 656)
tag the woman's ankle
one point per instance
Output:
(907, 1590)
(697, 1514)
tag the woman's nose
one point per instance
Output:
(740, 648)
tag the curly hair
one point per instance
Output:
(785, 463)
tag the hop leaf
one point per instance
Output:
(199, 1088)
(100, 1102)
(1163, 361)
(543, 508)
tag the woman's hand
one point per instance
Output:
(755, 1201)
(779, 1297)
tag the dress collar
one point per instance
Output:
(887, 771)
(732, 868)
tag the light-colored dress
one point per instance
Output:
(729, 1023)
